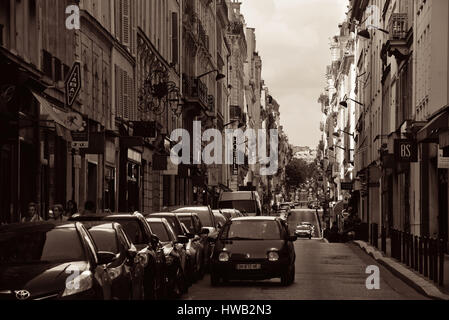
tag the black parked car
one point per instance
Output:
(181, 244)
(146, 242)
(193, 223)
(173, 252)
(208, 221)
(125, 270)
(44, 260)
(254, 248)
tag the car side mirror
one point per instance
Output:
(131, 254)
(105, 257)
(292, 238)
(183, 239)
(204, 231)
(154, 240)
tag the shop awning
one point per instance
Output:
(431, 131)
(338, 208)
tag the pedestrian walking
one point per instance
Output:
(71, 208)
(32, 214)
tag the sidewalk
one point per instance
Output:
(408, 275)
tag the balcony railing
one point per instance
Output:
(398, 26)
(203, 37)
(195, 89)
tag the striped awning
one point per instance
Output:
(338, 208)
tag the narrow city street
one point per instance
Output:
(324, 271)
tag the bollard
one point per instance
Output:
(420, 255)
(431, 254)
(425, 257)
(416, 253)
(441, 251)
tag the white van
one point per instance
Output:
(247, 202)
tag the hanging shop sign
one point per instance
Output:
(405, 150)
(73, 84)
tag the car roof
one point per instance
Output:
(186, 214)
(193, 208)
(105, 226)
(263, 218)
(161, 214)
(36, 225)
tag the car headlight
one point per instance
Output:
(79, 284)
(224, 257)
(273, 256)
(114, 273)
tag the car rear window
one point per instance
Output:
(203, 214)
(248, 206)
(55, 245)
(159, 229)
(106, 240)
(188, 223)
(134, 231)
(252, 230)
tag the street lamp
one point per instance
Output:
(219, 77)
(333, 149)
(365, 33)
(344, 103)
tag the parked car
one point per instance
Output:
(44, 260)
(194, 225)
(247, 202)
(231, 213)
(208, 221)
(254, 248)
(181, 240)
(125, 270)
(146, 242)
(172, 251)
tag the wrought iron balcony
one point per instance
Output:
(398, 44)
(195, 90)
(398, 26)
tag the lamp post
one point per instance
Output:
(219, 77)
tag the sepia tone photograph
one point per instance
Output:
(224, 157)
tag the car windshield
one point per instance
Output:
(252, 230)
(41, 246)
(133, 231)
(159, 229)
(241, 205)
(105, 240)
(188, 223)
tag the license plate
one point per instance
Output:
(248, 267)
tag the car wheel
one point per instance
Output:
(214, 279)
(286, 277)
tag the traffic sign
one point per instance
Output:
(73, 84)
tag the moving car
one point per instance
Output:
(125, 269)
(172, 252)
(254, 248)
(45, 260)
(147, 244)
(304, 230)
(247, 202)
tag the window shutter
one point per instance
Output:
(132, 113)
(118, 92)
(125, 22)
(125, 95)
(174, 31)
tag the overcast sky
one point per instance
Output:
(293, 41)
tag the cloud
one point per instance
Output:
(293, 41)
